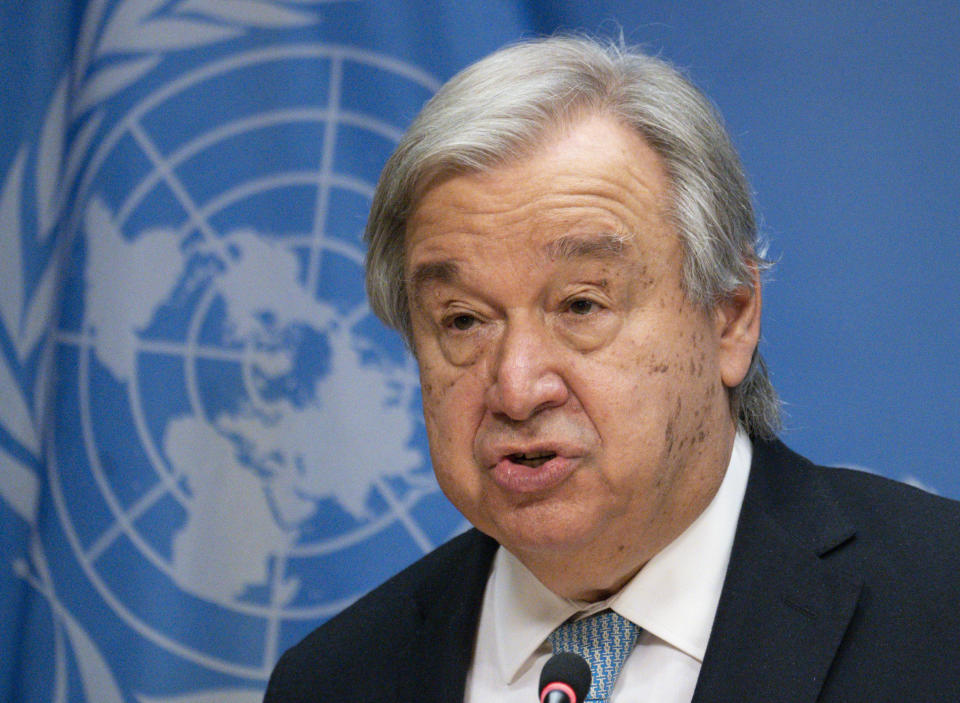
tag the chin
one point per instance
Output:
(543, 532)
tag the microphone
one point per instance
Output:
(565, 679)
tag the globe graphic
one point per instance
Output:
(251, 437)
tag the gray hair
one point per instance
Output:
(502, 107)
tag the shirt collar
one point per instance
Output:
(674, 596)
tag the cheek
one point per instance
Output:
(628, 399)
(652, 385)
(446, 444)
(451, 404)
(437, 416)
(698, 401)
(450, 416)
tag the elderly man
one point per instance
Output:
(566, 240)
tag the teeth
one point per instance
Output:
(533, 459)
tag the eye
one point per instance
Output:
(582, 306)
(462, 322)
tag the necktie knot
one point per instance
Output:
(604, 640)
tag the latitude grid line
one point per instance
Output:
(268, 119)
(194, 213)
(403, 516)
(134, 512)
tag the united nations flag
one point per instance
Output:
(209, 444)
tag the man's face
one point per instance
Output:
(574, 399)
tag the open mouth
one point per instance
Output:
(532, 459)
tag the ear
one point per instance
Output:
(737, 323)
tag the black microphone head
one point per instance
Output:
(566, 668)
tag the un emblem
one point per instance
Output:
(237, 449)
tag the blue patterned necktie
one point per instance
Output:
(604, 640)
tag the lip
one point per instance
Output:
(517, 478)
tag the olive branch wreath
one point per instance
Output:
(116, 47)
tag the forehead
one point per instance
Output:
(594, 189)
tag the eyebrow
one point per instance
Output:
(442, 271)
(596, 246)
(602, 246)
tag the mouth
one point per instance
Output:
(535, 471)
(531, 459)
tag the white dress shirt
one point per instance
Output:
(673, 598)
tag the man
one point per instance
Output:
(565, 238)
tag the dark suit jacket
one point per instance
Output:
(841, 587)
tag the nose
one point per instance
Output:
(526, 376)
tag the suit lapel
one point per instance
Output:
(784, 608)
(440, 648)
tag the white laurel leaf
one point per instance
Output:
(59, 669)
(235, 695)
(39, 309)
(125, 21)
(78, 149)
(19, 486)
(49, 214)
(250, 13)
(15, 416)
(173, 34)
(92, 16)
(50, 159)
(43, 582)
(111, 80)
(97, 679)
(11, 257)
(42, 387)
(39, 560)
